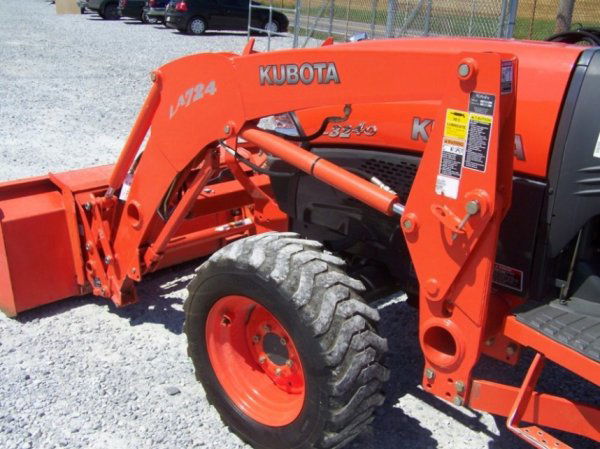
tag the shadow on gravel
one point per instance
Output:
(160, 298)
(210, 33)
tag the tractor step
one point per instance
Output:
(573, 323)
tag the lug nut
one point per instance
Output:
(225, 320)
(278, 372)
(262, 359)
(283, 341)
(107, 260)
(256, 339)
(289, 363)
(266, 328)
(458, 401)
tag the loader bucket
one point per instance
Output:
(37, 245)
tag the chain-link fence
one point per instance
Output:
(536, 19)
(394, 18)
(523, 19)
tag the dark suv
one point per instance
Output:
(197, 16)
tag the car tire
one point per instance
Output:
(274, 25)
(110, 12)
(148, 20)
(283, 288)
(196, 26)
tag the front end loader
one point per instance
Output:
(464, 172)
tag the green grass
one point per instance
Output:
(541, 28)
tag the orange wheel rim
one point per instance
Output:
(255, 361)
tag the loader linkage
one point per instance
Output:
(193, 188)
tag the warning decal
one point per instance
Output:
(448, 181)
(456, 131)
(452, 158)
(457, 123)
(481, 103)
(481, 107)
(508, 277)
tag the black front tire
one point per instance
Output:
(110, 12)
(333, 329)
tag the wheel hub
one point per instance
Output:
(255, 360)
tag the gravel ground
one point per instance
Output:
(83, 374)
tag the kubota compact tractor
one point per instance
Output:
(391, 164)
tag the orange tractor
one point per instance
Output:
(465, 172)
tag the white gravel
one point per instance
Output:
(83, 374)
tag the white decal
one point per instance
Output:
(191, 95)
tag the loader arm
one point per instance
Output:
(202, 112)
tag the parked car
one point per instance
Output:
(131, 8)
(197, 16)
(82, 5)
(154, 11)
(107, 9)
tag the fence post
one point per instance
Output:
(331, 14)
(297, 22)
(392, 11)
(502, 22)
(564, 16)
(428, 18)
(512, 19)
(373, 17)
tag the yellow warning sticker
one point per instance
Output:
(457, 124)
(487, 119)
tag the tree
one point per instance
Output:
(564, 16)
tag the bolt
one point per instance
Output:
(153, 76)
(289, 363)
(460, 386)
(464, 70)
(256, 339)
(262, 359)
(133, 270)
(457, 401)
(472, 207)
(278, 372)
(227, 129)
(511, 349)
(88, 246)
(97, 282)
(408, 224)
(490, 341)
(432, 287)
(207, 190)
(283, 341)
(429, 374)
(87, 206)
(107, 260)
(266, 328)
